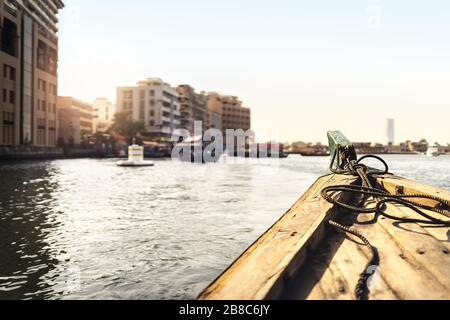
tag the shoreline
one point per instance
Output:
(95, 155)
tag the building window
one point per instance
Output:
(42, 85)
(8, 128)
(52, 89)
(152, 113)
(42, 56)
(41, 131)
(9, 72)
(12, 97)
(12, 73)
(9, 37)
(52, 61)
(128, 94)
(5, 95)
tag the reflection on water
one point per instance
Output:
(81, 229)
(27, 258)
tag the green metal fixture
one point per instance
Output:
(342, 151)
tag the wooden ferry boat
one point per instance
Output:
(303, 256)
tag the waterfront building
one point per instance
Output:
(369, 148)
(193, 107)
(214, 120)
(80, 115)
(308, 148)
(214, 105)
(391, 131)
(232, 114)
(28, 72)
(153, 102)
(103, 114)
(69, 132)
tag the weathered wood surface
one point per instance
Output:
(414, 259)
(262, 271)
(298, 259)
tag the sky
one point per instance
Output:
(303, 67)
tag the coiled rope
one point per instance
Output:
(366, 189)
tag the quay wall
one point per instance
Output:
(43, 153)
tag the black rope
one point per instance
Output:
(381, 197)
(361, 289)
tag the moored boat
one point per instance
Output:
(432, 152)
(357, 233)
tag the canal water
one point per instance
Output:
(87, 229)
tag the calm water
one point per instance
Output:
(86, 229)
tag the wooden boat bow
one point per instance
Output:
(302, 257)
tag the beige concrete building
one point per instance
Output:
(194, 107)
(214, 105)
(28, 72)
(230, 111)
(82, 111)
(69, 132)
(234, 115)
(103, 114)
(153, 102)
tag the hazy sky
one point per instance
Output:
(304, 67)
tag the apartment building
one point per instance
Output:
(193, 107)
(69, 132)
(229, 110)
(78, 114)
(234, 115)
(28, 72)
(214, 105)
(103, 114)
(153, 102)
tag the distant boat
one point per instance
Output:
(432, 152)
(135, 158)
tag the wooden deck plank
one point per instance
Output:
(398, 266)
(332, 272)
(424, 248)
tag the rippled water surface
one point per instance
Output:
(86, 229)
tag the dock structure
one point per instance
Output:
(303, 257)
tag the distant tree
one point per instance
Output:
(125, 126)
